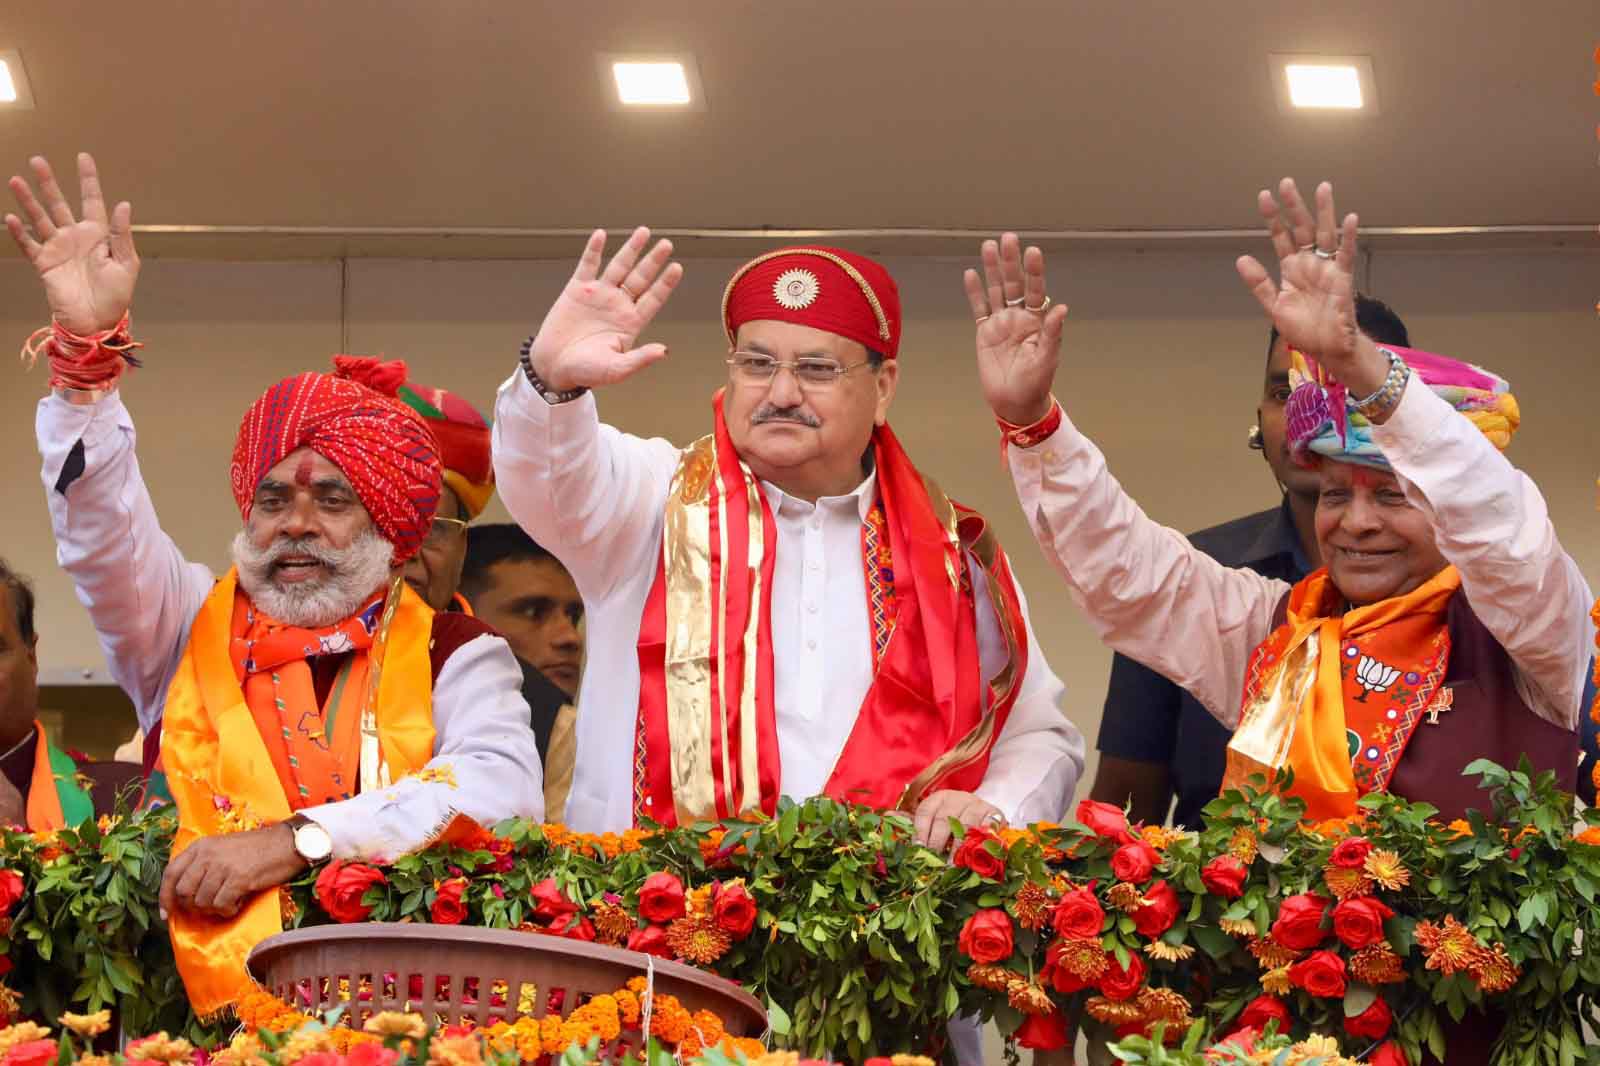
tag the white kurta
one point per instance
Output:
(595, 497)
(1154, 597)
(143, 595)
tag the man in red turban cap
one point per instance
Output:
(307, 704)
(786, 606)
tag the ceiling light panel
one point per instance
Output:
(15, 94)
(1324, 83)
(651, 82)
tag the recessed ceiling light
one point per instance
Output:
(14, 92)
(652, 82)
(1324, 83)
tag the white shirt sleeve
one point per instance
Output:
(141, 593)
(1490, 521)
(1146, 590)
(485, 763)
(592, 496)
(1038, 757)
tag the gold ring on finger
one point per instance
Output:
(1015, 303)
(1041, 308)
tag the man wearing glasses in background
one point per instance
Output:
(785, 607)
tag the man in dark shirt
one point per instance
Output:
(1157, 743)
(41, 787)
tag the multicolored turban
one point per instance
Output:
(1323, 423)
(352, 418)
(829, 289)
(463, 436)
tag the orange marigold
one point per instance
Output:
(1450, 947)
(1378, 965)
(1493, 969)
(1115, 1012)
(1165, 1005)
(1029, 998)
(1084, 959)
(1237, 926)
(1242, 845)
(1590, 836)
(1276, 981)
(1160, 837)
(1033, 906)
(700, 900)
(698, 939)
(1345, 883)
(1125, 897)
(1459, 828)
(1269, 954)
(1165, 952)
(991, 978)
(1386, 868)
(612, 923)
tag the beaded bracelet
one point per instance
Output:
(551, 396)
(1387, 397)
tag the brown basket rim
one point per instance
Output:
(423, 934)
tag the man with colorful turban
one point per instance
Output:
(309, 704)
(1447, 623)
(787, 606)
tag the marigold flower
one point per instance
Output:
(1028, 997)
(1385, 868)
(393, 1023)
(1324, 1047)
(991, 978)
(161, 1048)
(1590, 836)
(454, 1051)
(1459, 828)
(1237, 926)
(1450, 947)
(700, 900)
(1377, 965)
(1033, 906)
(1125, 897)
(1270, 955)
(87, 1026)
(1346, 884)
(21, 1033)
(612, 923)
(1115, 1012)
(1242, 845)
(1493, 969)
(1165, 952)
(697, 939)
(1165, 1005)
(1160, 837)
(1276, 981)
(1084, 959)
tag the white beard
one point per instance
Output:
(353, 575)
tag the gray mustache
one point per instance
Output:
(785, 414)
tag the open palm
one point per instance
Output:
(590, 334)
(88, 266)
(1313, 304)
(1019, 334)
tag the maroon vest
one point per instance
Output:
(1487, 720)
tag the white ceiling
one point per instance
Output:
(925, 114)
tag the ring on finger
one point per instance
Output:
(1307, 247)
(629, 291)
(1041, 309)
(1323, 253)
(994, 818)
(1017, 302)
(981, 319)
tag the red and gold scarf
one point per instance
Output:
(706, 744)
(1337, 696)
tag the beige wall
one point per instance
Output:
(1162, 367)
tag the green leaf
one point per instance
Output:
(777, 1018)
(1357, 998)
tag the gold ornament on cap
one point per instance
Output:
(795, 289)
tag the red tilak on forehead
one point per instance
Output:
(1368, 478)
(302, 470)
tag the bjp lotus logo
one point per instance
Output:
(1374, 676)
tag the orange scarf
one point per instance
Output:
(223, 772)
(706, 742)
(1337, 697)
(56, 799)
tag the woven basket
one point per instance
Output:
(486, 975)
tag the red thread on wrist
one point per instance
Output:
(88, 362)
(1028, 436)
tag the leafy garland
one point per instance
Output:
(1373, 933)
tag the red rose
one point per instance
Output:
(734, 909)
(5, 965)
(1120, 982)
(32, 1053)
(1079, 915)
(1157, 915)
(652, 940)
(1372, 1023)
(1104, 820)
(447, 906)
(1043, 1032)
(550, 903)
(1135, 862)
(340, 887)
(1241, 1040)
(1388, 1054)
(1358, 923)
(1321, 973)
(661, 898)
(986, 938)
(1263, 1009)
(371, 1053)
(1299, 921)
(11, 890)
(1351, 853)
(1225, 876)
(573, 927)
(974, 855)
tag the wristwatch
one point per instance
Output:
(311, 842)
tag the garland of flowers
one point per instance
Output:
(1373, 932)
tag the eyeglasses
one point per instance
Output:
(755, 368)
(443, 529)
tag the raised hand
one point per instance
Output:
(88, 265)
(1019, 332)
(1313, 305)
(588, 338)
